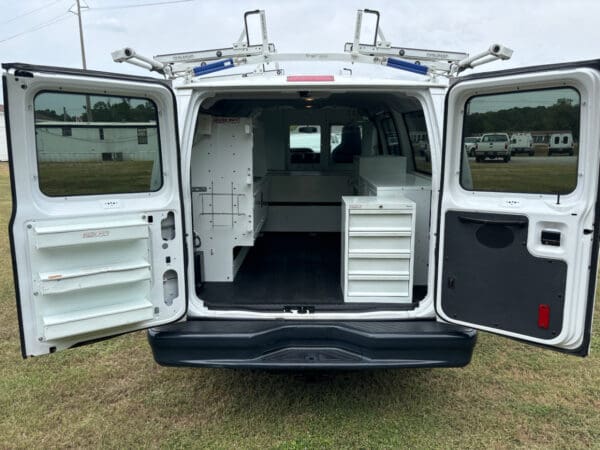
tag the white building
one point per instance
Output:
(98, 141)
(3, 141)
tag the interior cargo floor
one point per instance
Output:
(284, 268)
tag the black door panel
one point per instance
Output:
(490, 278)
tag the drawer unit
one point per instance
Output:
(417, 188)
(377, 249)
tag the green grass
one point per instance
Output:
(106, 177)
(112, 394)
(526, 174)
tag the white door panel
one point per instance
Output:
(569, 216)
(95, 252)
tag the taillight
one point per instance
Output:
(505, 146)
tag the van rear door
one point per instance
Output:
(96, 230)
(518, 242)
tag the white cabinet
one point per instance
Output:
(417, 188)
(377, 249)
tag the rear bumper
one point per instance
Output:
(278, 344)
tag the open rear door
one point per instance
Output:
(518, 239)
(96, 231)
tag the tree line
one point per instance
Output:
(562, 115)
(103, 111)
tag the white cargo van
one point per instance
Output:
(521, 143)
(287, 221)
(561, 143)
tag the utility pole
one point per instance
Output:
(88, 103)
(81, 35)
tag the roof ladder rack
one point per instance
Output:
(195, 64)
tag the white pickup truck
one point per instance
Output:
(492, 146)
(178, 206)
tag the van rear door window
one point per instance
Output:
(91, 144)
(550, 116)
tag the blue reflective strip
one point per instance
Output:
(403, 65)
(213, 67)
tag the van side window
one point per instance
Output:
(419, 140)
(91, 144)
(305, 144)
(545, 164)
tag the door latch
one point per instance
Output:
(551, 238)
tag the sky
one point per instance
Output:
(539, 32)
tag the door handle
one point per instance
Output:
(550, 237)
(505, 222)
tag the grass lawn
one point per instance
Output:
(112, 394)
(526, 174)
(80, 178)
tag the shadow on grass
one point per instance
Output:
(327, 408)
(274, 395)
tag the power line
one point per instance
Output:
(27, 13)
(56, 19)
(65, 16)
(140, 5)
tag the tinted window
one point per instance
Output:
(539, 113)
(90, 144)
